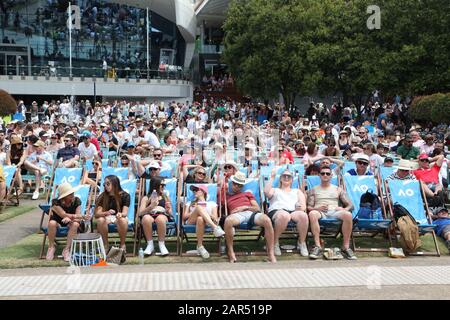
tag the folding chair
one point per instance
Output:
(248, 234)
(186, 229)
(171, 226)
(121, 173)
(60, 175)
(10, 177)
(130, 186)
(326, 224)
(82, 192)
(410, 194)
(355, 187)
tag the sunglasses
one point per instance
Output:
(286, 176)
(67, 140)
(237, 185)
(325, 174)
(154, 169)
(54, 137)
(424, 160)
(362, 163)
(228, 167)
(201, 173)
(157, 155)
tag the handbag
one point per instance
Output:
(116, 255)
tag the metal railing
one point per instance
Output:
(85, 72)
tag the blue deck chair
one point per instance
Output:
(312, 181)
(121, 173)
(10, 178)
(171, 226)
(409, 194)
(383, 173)
(61, 175)
(348, 165)
(355, 187)
(129, 186)
(326, 224)
(192, 228)
(82, 192)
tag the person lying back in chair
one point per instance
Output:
(241, 207)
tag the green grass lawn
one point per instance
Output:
(12, 212)
(24, 254)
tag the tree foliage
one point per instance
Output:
(7, 104)
(305, 47)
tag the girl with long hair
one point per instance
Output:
(111, 207)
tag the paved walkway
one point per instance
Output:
(14, 230)
(286, 280)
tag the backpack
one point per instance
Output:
(369, 207)
(409, 231)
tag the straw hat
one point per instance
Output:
(64, 190)
(238, 178)
(39, 143)
(404, 165)
(15, 140)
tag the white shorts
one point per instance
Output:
(244, 216)
(331, 214)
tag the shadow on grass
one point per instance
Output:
(12, 212)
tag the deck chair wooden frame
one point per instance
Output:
(365, 229)
(192, 229)
(9, 187)
(245, 234)
(139, 234)
(60, 237)
(428, 217)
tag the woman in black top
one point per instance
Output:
(17, 157)
(112, 207)
(155, 208)
(64, 212)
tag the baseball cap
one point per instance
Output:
(423, 156)
(154, 164)
(388, 159)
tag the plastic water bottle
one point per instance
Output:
(141, 256)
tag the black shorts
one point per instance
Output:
(445, 231)
(272, 213)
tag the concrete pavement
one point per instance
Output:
(369, 278)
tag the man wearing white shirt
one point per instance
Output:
(39, 162)
(87, 150)
(154, 108)
(151, 139)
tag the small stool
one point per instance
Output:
(87, 249)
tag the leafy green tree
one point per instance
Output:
(7, 104)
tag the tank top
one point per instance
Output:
(326, 196)
(282, 200)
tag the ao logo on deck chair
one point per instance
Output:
(407, 192)
(360, 188)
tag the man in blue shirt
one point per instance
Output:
(362, 166)
(383, 118)
(69, 155)
(442, 220)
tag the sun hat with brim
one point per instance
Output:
(39, 143)
(231, 163)
(16, 140)
(64, 190)
(404, 165)
(363, 157)
(199, 187)
(238, 178)
(154, 164)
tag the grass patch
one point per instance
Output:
(24, 254)
(12, 212)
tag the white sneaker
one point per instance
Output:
(150, 248)
(35, 195)
(163, 250)
(303, 249)
(218, 232)
(277, 250)
(203, 252)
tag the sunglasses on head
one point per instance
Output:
(325, 174)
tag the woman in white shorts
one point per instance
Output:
(287, 204)
(201, 212)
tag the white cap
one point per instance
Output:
(154, 164)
